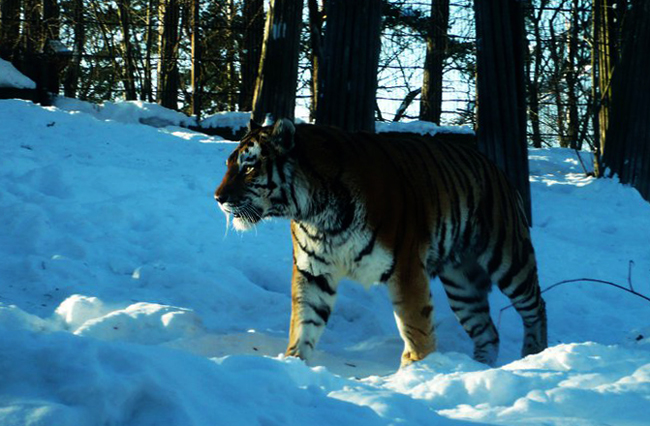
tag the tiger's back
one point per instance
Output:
(400, 209)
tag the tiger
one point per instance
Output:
(397, 209)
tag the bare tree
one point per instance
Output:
(501, 91)
(347, 80)
(253, 17)
(169, 12)
(73, 72)
(9, 29)
(128, 71)
(436, 39)
(316, 15)
(275, 90)
(535, 74)
(146, 93)
(627, 152)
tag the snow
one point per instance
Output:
(124, 302)
(420, 127)
(11, 77)
(235, 120)
(127, 112)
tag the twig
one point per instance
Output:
(591, 280)
(583, 164)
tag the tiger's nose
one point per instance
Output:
(221, 198)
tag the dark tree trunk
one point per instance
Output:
(147, 86)
(573, 121)
(535, 75)
(168, 65)
(32, 43)
(54, 58)
(128, 77)
(607, 41)
(431, 100)
(557, 53)
(316, 39)
(348, 72)
(71, 80)
(9, 29)
(501, 91)
(253, 14)
(196, 60)
(627, 152)
(275, 89)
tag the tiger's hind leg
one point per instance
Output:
(520, 283)
(467, 286)
(524, 293)
(413, 314)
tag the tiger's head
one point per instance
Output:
(258, 176)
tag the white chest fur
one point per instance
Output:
(355, 255)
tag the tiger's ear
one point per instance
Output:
(282, 134)
(252, 125)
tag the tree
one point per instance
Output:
(168, 78)
(627, 152)
(196, 58)
(128, 76)
(534, 71)
(316, 15)
(436, 39)
(253, 17)
(146, 93)
(607, 30)
(275, 89)
(501, 92)
(71, 79)
(347, 77)
(9, 29)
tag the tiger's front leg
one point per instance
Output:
(312, 302)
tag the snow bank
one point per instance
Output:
(122, 301)
(420, 127)
(234, 120)
(11, 77)
(128, 112)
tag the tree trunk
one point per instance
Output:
(534, 80)
(147, 86)
(275, 90)
(128, 77)
(9, 29)
(71, 80)
(348, 72)
(54, 59)
(32, 41)
(557, 53)
(628, 148)
(253, 14)
(169, 12)
(231, 71)
(501, 90)
(196, 60)
(431, 100)
(316, 39)
(573, 121)
(607, 54)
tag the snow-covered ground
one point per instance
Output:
(123, 301)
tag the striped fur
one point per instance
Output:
(390, 208)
